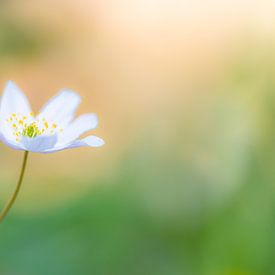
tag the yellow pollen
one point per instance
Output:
(31, 130)
(22, 128)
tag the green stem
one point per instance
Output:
(5, 211)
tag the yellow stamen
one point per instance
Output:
(31, 130)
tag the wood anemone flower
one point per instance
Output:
(53, 129)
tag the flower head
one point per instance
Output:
(53, 129)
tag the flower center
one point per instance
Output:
(28, 126)
(31, 130)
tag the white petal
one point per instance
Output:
(90, 141)
(61, 108)
(7, 132)
(13, 101)
(78, 127)
(14, 145)
(39, 144)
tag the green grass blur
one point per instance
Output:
(186, 182)
(116, 229)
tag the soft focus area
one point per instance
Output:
(185, 95)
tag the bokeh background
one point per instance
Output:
(185, 93)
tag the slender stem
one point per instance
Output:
(5, 211)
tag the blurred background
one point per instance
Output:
(185, 93)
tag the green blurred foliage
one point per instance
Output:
(20, 39)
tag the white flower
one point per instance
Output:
(52, 130)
